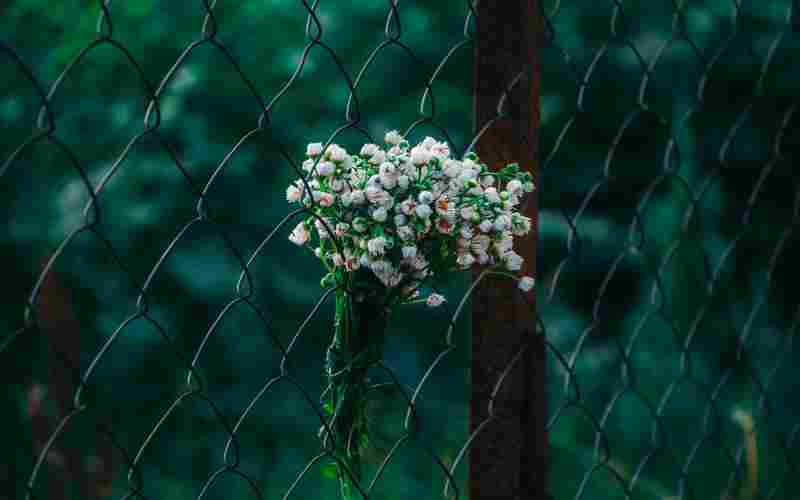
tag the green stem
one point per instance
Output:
(356, 345)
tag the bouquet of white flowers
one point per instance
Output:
(384, 221)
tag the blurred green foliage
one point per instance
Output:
(662, 360)
(206, 108)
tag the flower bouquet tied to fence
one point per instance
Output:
(383, 222)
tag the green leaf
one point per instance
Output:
(329, 470)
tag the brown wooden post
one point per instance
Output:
(508, 458)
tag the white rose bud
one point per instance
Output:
(425, 197)
(405, 233)
(428, 142)
(452, 169)
(326, 200)
(513, 261)
(423, 211)
(380, 214)
(402, 181)
(409, 252)
(521, 225)
(465, 260)
(299, 235)
(369, 149)
(336, 153)
(526, 283)
(380, 266)
(314, 149)
(469, 173)
(374, 194)
(326, 168)
(514, 186)
(492, 195)
(378, 157)
(468, 213)
(387, 168)
(420, 156)
(376, 246)
(388, 181)
(502, 222)
(293, 194)
(393, 137)
(347, 164)
(435, 300)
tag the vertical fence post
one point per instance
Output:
(508, 455)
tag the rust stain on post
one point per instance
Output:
(508, 459)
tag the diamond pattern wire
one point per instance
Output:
(47, 308)
(667, 145)
(667, 311)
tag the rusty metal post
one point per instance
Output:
(508, 458)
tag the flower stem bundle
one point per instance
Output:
(384, 222)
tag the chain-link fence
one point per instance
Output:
(668, 217)
(163, 340)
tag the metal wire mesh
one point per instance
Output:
(86, 440)
(666, 227)
(670, 130)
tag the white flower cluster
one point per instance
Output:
(408, 213)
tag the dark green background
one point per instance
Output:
(207, 108)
